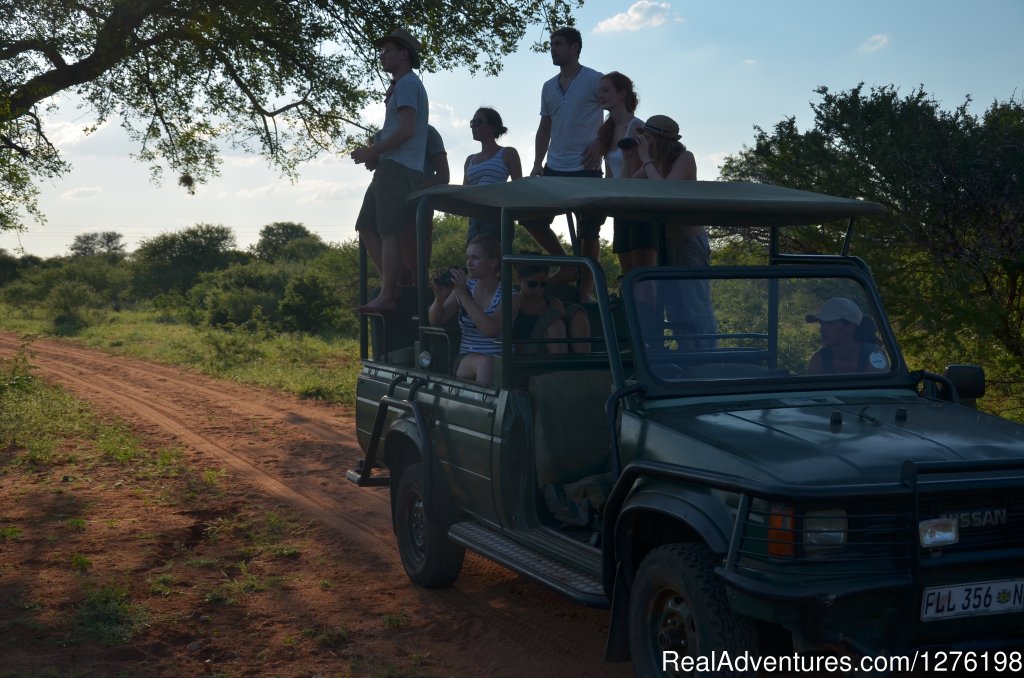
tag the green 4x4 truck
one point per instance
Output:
(717, 489)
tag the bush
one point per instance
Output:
(70, 302)
(312, 303)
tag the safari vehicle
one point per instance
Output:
(733, 500)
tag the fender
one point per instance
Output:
(696, 511)
(403, 426)
(694, 508)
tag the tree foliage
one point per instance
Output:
(106, 243)
(172, 262)
(287, 240)
(286, 78)
(950, 253)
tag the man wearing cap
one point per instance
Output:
(397, 160)
(570, 116)
(849, 344)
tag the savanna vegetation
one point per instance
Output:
(949, 256)
(278, 314)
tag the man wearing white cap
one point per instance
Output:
(397, 161)
(849, 344)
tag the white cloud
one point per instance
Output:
(640, 15)
(874, 43)
(318, 190)
(715, 160)
(446, 114)
(750, 62)
(65, 134)
(85, 193)
(304, 191)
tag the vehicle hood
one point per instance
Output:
(824, 441)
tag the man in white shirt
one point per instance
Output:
(397, 160)
(570, 117)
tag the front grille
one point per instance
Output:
(987, 520)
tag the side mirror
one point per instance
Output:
(969, 380)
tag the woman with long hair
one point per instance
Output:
(634, 241)
(475, 295)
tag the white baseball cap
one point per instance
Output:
(837, 308)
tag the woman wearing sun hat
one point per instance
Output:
(662, 157)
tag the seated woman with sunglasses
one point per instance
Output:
(542, 317)
(494, 164)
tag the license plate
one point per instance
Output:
(968, 600)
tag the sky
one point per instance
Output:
(719, 68)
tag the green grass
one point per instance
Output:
(9, 533)
(308, 366)
(108, 615)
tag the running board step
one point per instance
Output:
(570, 582)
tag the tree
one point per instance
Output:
(950, 253)
(172, 262)
(275, 238)
(107, 243)
(284, 77)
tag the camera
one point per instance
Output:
(625, 143)
(445, 278)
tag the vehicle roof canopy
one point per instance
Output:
(717, 203)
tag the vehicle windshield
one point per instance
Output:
(757, 327)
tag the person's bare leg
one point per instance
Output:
(476, 367)
(391, 270)
(591, 248)
(372, 242)
(647, 256)
(546, 238)
(579, 327)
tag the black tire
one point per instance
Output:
(677, 604)
(430, 559)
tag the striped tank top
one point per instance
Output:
(490, 171)
(473, 340)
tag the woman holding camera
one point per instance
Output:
(475, 295)
(634, 241)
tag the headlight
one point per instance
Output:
(824, 530)
(933, 534)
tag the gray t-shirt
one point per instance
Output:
(575, 114)
(435, 145)
(408, 93)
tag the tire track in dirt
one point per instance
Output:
(302, 465)
(132, 399)
(308, 419)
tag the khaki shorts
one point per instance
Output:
(384, 202)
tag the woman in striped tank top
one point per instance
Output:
(475, 295)
(494, 164)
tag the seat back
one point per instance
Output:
(570, 426)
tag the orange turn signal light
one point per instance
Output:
(781, 532)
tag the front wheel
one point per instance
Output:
(678, 609)
(430, 559)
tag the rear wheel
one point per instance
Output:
(430, 559)
(678, 608)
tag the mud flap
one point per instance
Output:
(617, 647)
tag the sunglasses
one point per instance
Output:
(533, 284)
(476, 121)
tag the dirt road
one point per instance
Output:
(296, 453)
